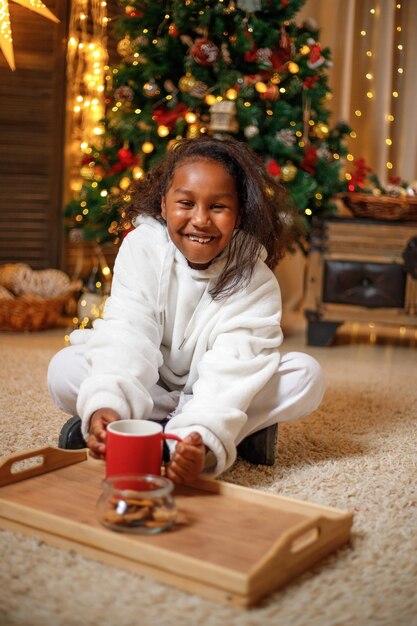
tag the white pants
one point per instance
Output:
(293, 392)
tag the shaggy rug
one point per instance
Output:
(357, 452)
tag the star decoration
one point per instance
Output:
(6, 40)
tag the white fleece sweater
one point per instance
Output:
(160, 323)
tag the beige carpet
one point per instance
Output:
(356, 452)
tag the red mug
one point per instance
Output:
(134, 447)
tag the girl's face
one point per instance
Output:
(201, 209)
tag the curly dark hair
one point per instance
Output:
(266, 217)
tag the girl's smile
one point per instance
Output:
(201, 209)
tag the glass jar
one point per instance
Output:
(141, 504)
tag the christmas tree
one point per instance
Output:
(190, 67)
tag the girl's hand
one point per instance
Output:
(187, 461)
(98, 424)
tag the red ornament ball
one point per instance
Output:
(126, 156)
(173, 30)
(204, 51)
(271, 93)
(274, 168)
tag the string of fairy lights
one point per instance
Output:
(86, 67)
(87, 59)
(369, 76)
(399, 73)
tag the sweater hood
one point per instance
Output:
(172, 256)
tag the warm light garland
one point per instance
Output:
(370, 75)
(6, 39)
(86, 66)
(390, 116)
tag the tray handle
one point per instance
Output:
(305, 543)
(48, 459)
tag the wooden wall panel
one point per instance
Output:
(32, 121)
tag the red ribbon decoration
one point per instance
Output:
(169, 117)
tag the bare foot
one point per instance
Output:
(187, 461)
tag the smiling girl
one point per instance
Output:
(191, 333)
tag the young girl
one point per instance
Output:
(191, 331)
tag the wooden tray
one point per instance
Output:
(232, 544)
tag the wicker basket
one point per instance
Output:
(32, 313)
(381, 207)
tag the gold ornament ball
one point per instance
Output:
(124, 47)
(320, 131)
(260, 87)
(210, 99)
(125, 182)
(231, 94)
(87, 172)
(190, 117)
(187, 82)
(288, 172)
(193, 131)
(293, 67)
(137, 173)
(148, 147)
(163, 131)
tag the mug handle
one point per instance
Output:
(170, 436)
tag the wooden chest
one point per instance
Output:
(356, 272)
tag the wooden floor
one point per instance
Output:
(351, 333)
